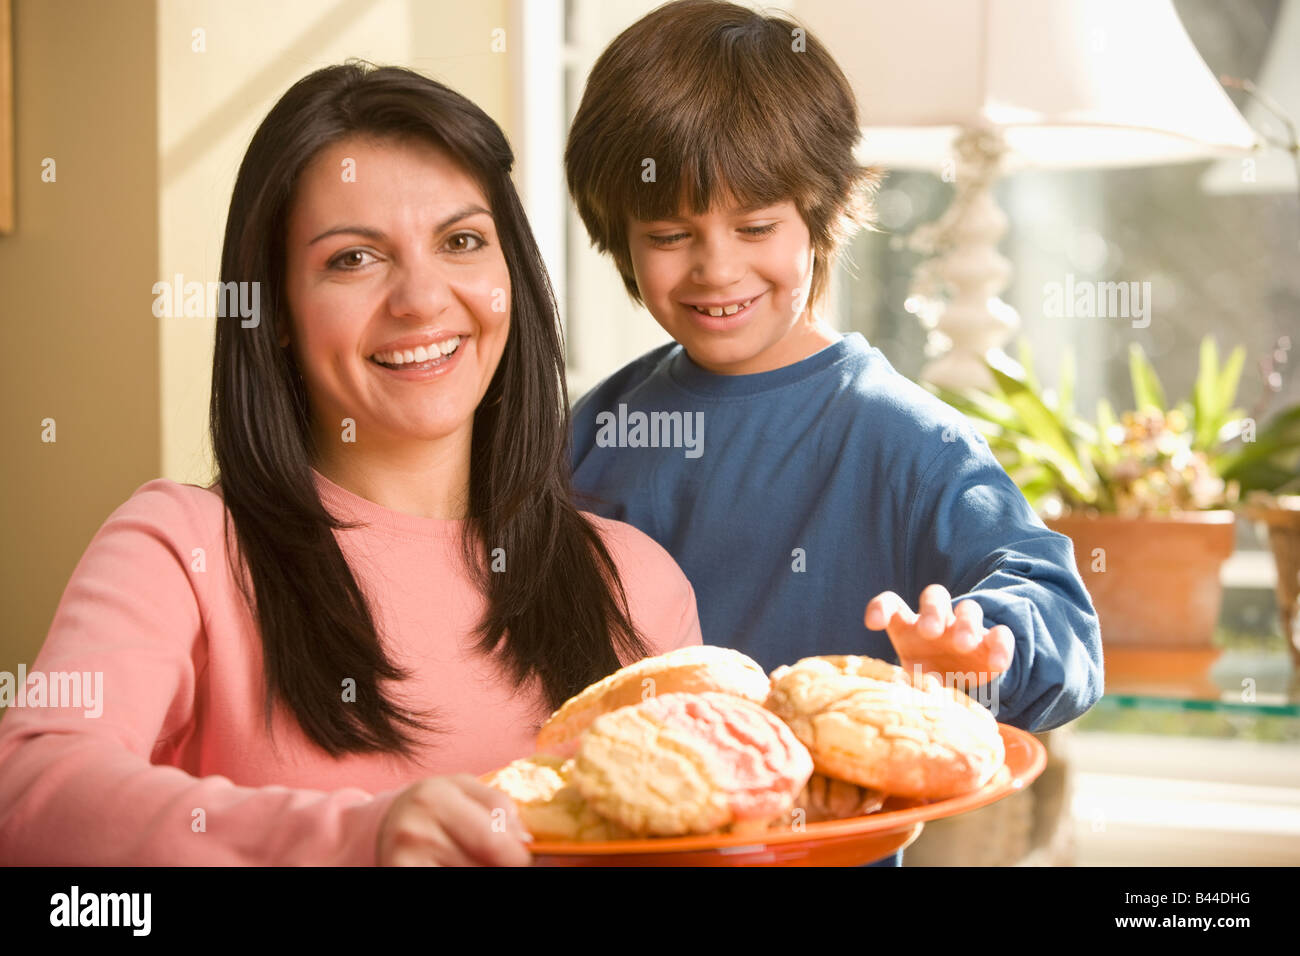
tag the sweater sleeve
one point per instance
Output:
(81, 788)
(972, 531)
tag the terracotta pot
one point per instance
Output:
(1282, 517)
(1154, 581)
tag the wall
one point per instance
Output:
(76, 335)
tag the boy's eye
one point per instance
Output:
(666, 240)
(747, 230)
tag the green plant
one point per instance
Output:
(1201, 453)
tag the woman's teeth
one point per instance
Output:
(418, 354)
(725, 310)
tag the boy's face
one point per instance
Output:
(761, 259)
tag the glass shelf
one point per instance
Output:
(1239, 680)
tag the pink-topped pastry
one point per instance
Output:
(691, 670)
(691, 763)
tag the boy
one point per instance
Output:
(798, 477)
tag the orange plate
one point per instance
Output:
(850, 842)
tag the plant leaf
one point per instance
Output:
(1026, 356)
(1226, 387)
(1147, 391)
(1203, 395)
(1046, 429)
(1273, 458)
(980, 405)
(1066, 386)
(1107, 450)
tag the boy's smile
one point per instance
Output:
(731, 285)
(714, 316)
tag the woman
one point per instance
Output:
(387, 590)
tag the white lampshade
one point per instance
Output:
(1274, 170)
(1070, 83)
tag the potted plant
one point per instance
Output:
(1269, 470)
(1146, 496)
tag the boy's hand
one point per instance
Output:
(940, 639)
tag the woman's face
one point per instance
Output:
(391, 249)
(761, 259)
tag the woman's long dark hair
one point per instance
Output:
(559, 613)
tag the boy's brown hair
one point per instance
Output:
(731, 105)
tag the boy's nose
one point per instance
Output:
(716, 265)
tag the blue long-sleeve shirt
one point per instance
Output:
(792, 497)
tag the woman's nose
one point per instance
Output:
(420, 288)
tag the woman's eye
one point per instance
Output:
(347, 260)
(475, 242)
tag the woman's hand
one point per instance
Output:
(452, 821)
(942, 640)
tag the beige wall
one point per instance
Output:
(147, 135)
(78, 341)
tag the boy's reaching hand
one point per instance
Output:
(940, 639)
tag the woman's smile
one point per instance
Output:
(422, 362)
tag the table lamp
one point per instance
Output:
(972, 89)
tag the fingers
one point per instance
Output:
(884, 607)
(968, 627)
(439, 821)
(936, 611)
(1001, 644)
(493, 800)
(415, 831)
(940, 638)
(476, 833)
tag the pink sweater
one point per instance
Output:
(178, 769)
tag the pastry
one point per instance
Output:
(691, 763)
(828, 798)
(550, 806)
(686, 670)
(871, 723)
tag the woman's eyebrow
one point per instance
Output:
(378, 235)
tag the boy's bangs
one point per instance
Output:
(735, 165)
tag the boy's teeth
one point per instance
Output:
(726, 310)
(420, 353)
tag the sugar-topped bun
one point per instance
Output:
(550, 806)
(691, 763)
(686, 670)
(827, 798)
(869, 722)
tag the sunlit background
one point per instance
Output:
(148, 131)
